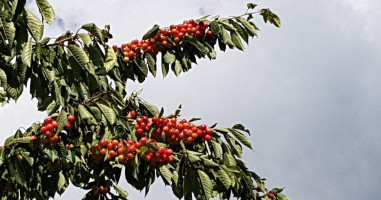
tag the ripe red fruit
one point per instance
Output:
(129, 116)
(271, 195)
(112, 153)
(194, 135)
(210, 33)
(208, 137)
(140, 131)
(102, 152)
(32, 138)
(209, 131)
(131, 148)
(48, 134)
(190, 139)
(56, 138)
(130, 155)
(71, 118)
(115, 143)
(133, 113)
(120, 158)
(43, 129)
(50, 127)
(55, 124)
(170, 159)
(139, 120)
(69, 126)
(147, 157)
(110, 146)
(161, 150)
(115, 47)
(120, 151)
(48, 120)
(143, 140)
(169, 151)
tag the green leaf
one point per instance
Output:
(46, 11)
(108, 112)
(152, 32)
(61, 186)
(153, 111)
(35, 26)
(269, 16)
(111, 59)
(209, 163)
(164, 69)
(3, 79)
(241, 31)
(240, 137)
(84, 113)
(247, 25)
(215, 27)
(151, 63)
(206, 184)
(94, 30)
(166, 174)
(79, 55)
(62, 120)
(9, 30)
(85, 38)
(26, 55)
(120, 191)
(251, 5)
(169, 57)
(204, 50)
(237, 41)
(226, 38)
(224, 178)
(176, 67)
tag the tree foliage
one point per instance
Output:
(79, 74)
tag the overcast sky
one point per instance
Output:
(310, 91)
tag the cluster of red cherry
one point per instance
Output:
(48, 129)
(166, 39)
(126, 150)
(175, 131)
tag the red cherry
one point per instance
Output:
(143, 140)
(43, 129)
(112, 153)
(131, 148)
(133, 113)
(208, 137)
(115, 143)
(120, 151)
(203, 126)
(71, 118)
(32, 138)
(56, 138)
(48, 134)
(190, 139)
(110, 146)
(169, 151)
(271, 195)
(209, 131)
(161, 150)
(210, 33)
(102, 152)
(48, 120)
(115, 47)
(130, 155)
(140, 131)
(69, 126)
(120, 158)
(170, 159)
(55, 124)
(50, 127)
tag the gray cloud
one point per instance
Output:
(309, 91)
